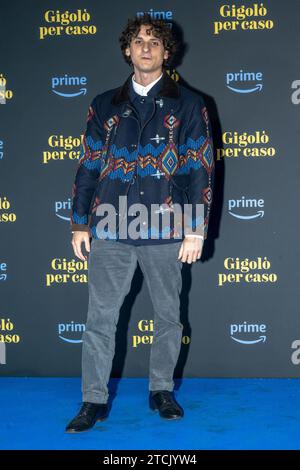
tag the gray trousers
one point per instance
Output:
(111, 267)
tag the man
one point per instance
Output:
(150, 142)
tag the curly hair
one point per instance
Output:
(159, 28)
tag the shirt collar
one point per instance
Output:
(141, 89)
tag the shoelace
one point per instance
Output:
(166, 398)
(85, 409)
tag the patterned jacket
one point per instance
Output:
(171, 156)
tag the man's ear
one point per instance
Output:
(127, 51)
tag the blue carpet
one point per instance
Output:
(219, 414)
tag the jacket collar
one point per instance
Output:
(169, 89)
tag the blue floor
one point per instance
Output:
(219, 414)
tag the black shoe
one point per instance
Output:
(166, 404)
(88, 415)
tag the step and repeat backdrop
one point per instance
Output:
(240, 302)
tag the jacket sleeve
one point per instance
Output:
(87, 171)
(200, 160)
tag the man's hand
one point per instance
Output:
(78, 238)
(191, 249)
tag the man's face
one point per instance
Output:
(146, 51)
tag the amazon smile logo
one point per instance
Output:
(64, 206)
(69, 86)
(254, 208)
(69, 332)
(244, 82)
(239, 332)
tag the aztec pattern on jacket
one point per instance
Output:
(171, 156)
